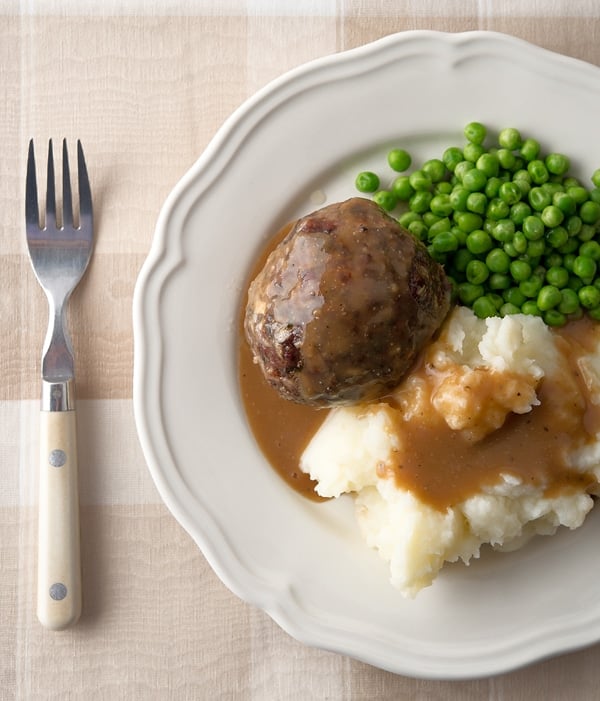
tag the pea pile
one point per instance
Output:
(515, 232)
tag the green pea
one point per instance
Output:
(477, 202)
(596, 177)
(589, 212)
(497, 209)
(519, 212)
(522, 174)
(468, 293)
(569, 247)
(551, 259)
(484, 307)
(519, 241)
(499, 281)
(475, 132)
(524, 186)
(418, 229)
(497, 261)
(587, 232)
(568, 261)
(510, 138)
(589, 296)
(548, 297)
(539, 199)
(507, 309)
(531, 308)
(367, 181)
(533, 228)
(506, 158)
(463, 167)
(479, 242)
(503, 230)
(564, 202)
(435, 169)
(430, 218)
(441, 205)
(489, 164)
(444, 242)
(575, 283)
(530, 149)
(492, 187)
(496, 298)
(462, 258)
(557, 163)
(473, 151)
(578, 193)
(420, 180)
(477, 272)
(407, 218)
(420, 201)
(584, 267)
(591, 249)
(474, 180)
(439, 227)
(513, 295)
(402, 188)
(399, 160)
(557, 237)
(459, 198)
(535, 249)
(386, 200)
(451, 157)
(573, 225)
(520, 270)
(552, 216)
(531, 287)
(468, 221)
(557, 276)
(461, 236)
(569, 301)
(443, 188)
(553, 317)
(571, 181)
(510, 192)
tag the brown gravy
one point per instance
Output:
(281, 428)
(441, 467)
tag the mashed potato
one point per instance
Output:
(479, 372)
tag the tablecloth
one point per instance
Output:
(145, 85)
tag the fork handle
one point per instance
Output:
(59, 563)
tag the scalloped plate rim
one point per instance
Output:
(278, 600)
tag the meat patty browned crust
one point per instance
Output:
(343, 306)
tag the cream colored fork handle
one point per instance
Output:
(59, 565)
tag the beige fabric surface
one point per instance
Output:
(145, 86)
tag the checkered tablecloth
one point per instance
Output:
(145, 85)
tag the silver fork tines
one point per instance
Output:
(60, 252)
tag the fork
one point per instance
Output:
(59, 252)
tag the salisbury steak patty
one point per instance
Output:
(343, 305)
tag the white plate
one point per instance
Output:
(306, 135)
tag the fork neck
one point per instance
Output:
(58, 396)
